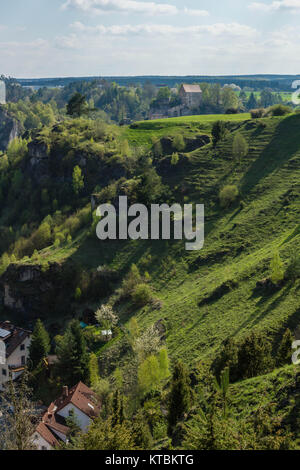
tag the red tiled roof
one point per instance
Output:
(82, 397)
(47, 434)
(54, 421)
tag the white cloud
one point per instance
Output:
(280, 5)
(217, 29)
(125, 6)
(130, 6)
(193, 12)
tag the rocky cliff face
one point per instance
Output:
(9, 129)
(43, 164)
(34, 291)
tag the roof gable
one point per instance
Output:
(191, 88)
(46, 434)
(82, 397)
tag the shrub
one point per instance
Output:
(42, 237)
(232, 111)
(219, 132)
(132, 279)
(279, 110)
(257, 113)
(240, 147)
(175, 158)
(178, 143)
(285, 350)
(77, 294)
(228, 195)
(254, 356)
(141, 295)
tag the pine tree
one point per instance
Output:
(254, 356)
(252, 103)
(118, 416)
(77, 105)
(180, 395)
(285, 351)
(73, 365)
(141, 432)
(223, 388)
(40, 345)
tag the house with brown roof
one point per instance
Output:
(14, 351)
(79, 402)
(191, 95)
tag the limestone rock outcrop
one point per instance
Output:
(9, 129)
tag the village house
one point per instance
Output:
(79, 402)
(191, 95)
(14, 351)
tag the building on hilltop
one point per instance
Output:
(190, 99)
(191, 95)
(14, 351)
(79, 402)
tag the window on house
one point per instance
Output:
(23, 359)
(44, 448)
(22, 347)
(4, 372)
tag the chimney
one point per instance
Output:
(65, 391)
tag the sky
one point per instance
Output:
(50, 38)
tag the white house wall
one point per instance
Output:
(41, 443)
(83, 420)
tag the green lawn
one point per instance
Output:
(143, 132)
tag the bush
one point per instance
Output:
(175, 158)
(131, 280)
(228, 195)
(240, 147)
(254, 356)
(141, 295)
(257, 113)
(78, 294)
(279, 110)
(232, 111)
(178, 143)
(219, 132)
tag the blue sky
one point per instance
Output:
(46, 38)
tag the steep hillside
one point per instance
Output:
(198, 307)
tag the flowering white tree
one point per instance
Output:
(106, 317)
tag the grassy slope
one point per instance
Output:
(145, 131)
(239, 243)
